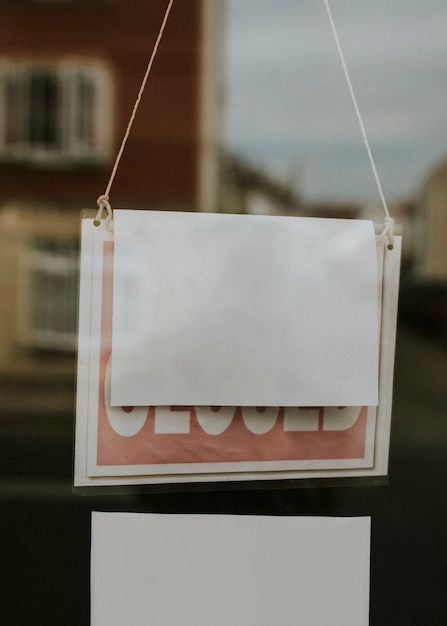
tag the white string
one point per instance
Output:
(103, 200)
(389, 222)
(103, 203)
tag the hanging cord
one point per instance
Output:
(103, 201)
(389, 222)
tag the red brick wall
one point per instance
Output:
(160, 161)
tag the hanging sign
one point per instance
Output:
(225, 569)
(243, 310)
(186, 443)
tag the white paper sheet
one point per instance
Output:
(213, 309)
(220, 570)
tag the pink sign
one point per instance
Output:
(218, 434)
(139, 445)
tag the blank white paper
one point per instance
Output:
(214, 309)
(199, 570)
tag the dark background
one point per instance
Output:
(45, 534)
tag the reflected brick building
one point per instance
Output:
(70, 72)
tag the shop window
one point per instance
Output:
(54, 113)
(48, 294)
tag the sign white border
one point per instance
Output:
(90, 470)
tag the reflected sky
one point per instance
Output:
(288, 106)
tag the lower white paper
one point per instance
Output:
(217, 570)
(245, 310)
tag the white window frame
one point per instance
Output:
(81, 88)
(48, 294)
